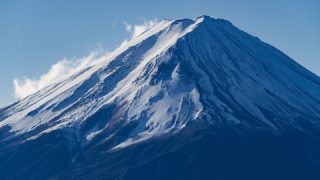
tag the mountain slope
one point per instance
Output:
(168, 89)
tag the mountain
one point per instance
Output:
(186, 99)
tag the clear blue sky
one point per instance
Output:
(34, 34)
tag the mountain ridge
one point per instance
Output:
(180, 83)
(219, 29)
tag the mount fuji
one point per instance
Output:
(186, 99)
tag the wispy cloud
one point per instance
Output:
(67, 67)
(58, 71)
(135, 30)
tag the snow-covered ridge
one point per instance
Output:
(19, 118)
(176, 72)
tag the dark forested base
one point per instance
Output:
(195, 153)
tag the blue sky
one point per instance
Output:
(36, 34)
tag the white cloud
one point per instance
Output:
(65, 68)
(59, 71)
(136, 29)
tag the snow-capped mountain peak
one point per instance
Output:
(186, 99)
(175, 73)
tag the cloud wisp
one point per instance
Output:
(135, 30)
(65, 68)
(57, 72)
